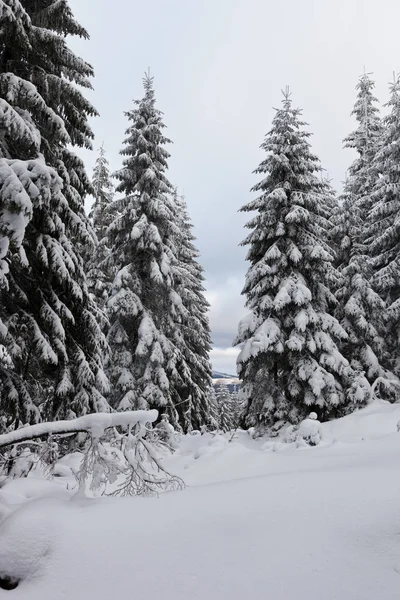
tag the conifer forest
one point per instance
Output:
(108, 386)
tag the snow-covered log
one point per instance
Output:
(95, 424)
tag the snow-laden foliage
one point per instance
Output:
(366, 139)
(117, 458)
(49, 325)
(228, 408)
(350, 232)
(192, 328)
(310, 430)
(360, 309)
(143, 355)
(343, 228)
(225, 408)
(155, 361)
(100, 275)
(289, 360)
(329, 207)
(103, 194)
(384, 230)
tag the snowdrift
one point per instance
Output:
(259, 518)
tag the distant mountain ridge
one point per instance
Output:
(231, 381)
(219, 375)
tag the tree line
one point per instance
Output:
(102, 312)
(107, 312)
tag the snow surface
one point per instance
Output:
(259, 519)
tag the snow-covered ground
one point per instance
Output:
(259, 519)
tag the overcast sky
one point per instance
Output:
(219, 67)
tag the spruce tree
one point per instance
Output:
(193, 328)
(224, 401)
(351, 234)
(360, 308)
(351, 226)
(366, 140)
(58, 74)
(100, 276)
(237, 409)
(329, 207)
(144, 305)
(50, 331)
(159, 334)
(103, 194)
(384, 230)
(342, 229)
(289, 361)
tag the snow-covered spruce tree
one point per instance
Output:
(289, 360)
(362, 175)
(384, 226)
(56, 72)
(103, 193)
(237, 408)
(329, 205)
(100, 276)
(342, 225)
(212, 422)
(50, 328)
(366, 140)
(192, 329)
(225, 407)
(144, 306)
(360, 309)
(22, 182)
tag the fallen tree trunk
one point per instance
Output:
(95, 424)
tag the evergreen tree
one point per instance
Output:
(144, 307)
(366, 140)
(56, 72)
(384, 229)
(329, 206)
(100, 276)
(237, 408)
(350, 232)
(360, 309)
(103, 193)
(290, 361)
(194, 338)
(159, 336)
(342, 226)
(225, 408)
(50, 329)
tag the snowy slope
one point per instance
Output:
(219, 375)
(259, 519)
(231, 381)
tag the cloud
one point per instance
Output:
(225, 313)
(224, 360)
(226, 309)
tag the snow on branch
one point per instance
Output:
(95, 424)
(384, 381)
(114, 463)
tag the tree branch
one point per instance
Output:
(95, 424)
